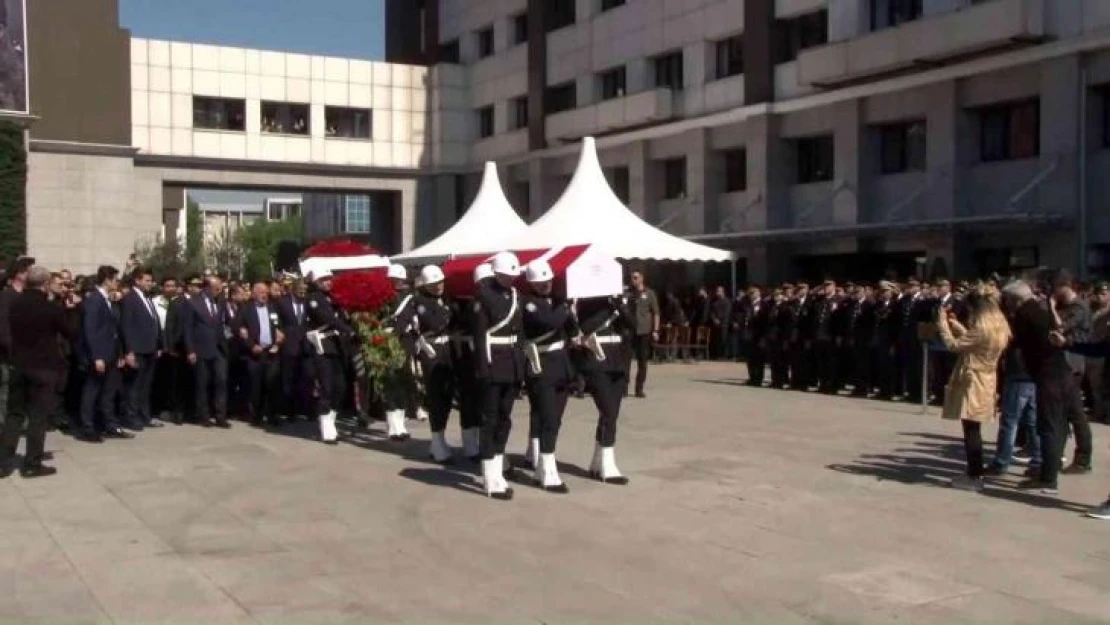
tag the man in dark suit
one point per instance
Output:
(292, 310)
(206, 350)
(142, 343)
(37, 365)
(258, 331)
(16, 275)
(99, 353)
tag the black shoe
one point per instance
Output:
(223, 424)
(561, 489)
(118, 433)
(513, 475)
(36, 470)
(89, 437)
(334, 442)
(640, 394)
(1075, 469)
(505, 495)
(615, 481)
(6, 471)
(47, 456)
(400, 438)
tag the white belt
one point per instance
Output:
(609, 339)
(502, 340)
(439, 340)
(550, 347)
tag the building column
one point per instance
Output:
(769, 174)
(701, 174)
(175, 225)
(537, 189)
(848, 163)
(943, 155)
(1060, 84)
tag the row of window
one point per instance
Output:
(284, 118)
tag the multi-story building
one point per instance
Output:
(841, 137)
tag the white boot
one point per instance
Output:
(610, 474)
(501, 481)
(328, 433)
(440, 450)
(532, 455)
(595, 463)
(493, 481)
(395, 422)
(421, 414)
(547, 475)
(470, 437)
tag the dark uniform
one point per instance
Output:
(860, 327)
(497, 324)
(779, 322)
(824, 343)
(605, 320)
(798, 337)
(883, 340)
(751, 325)
(548, 325)
(328, 368)
(431, 344)
(466, 378)
(912, 309)
(401, 393)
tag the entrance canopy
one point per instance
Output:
(488, 224)
(581, 271)
(589, 213)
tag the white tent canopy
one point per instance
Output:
(589, 213)
(488, 224)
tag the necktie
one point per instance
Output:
(297, 310)
(150, 306)
(211, 308)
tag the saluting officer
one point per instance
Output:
(466, 378)
(602, 322)
(328, 334)
(432, 340)
(398, 399)
(824, 338)
(497, 325)
(548, 325)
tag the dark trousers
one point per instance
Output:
(883, 362)
(910, 354)
(263, 373)
(755, 362)
(137, 383)
(295, 384)
(546, 401)
(5, 384)
(862, 382)
(497, 417)
(606, 388)
(238, 385)
(331, 385)
(99, 393)
(211, 388)
(31, 401)
(439, 392)
(824, 355)
(1058, 404)
(470, 398)
(718, 342)
(800, 366)
(942, 364)
(780, 365)
(973, 447)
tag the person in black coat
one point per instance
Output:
(142, 345)
(37, 366)
(292, 312)
(258, 331)
(99, 352)
(206, 351)
(172, 377)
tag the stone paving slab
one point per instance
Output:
(746, 505)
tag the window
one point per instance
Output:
(485, 122)
(902, 147)
(674, 178)
(449, 51)
(730, 56)
(558, 14)
(518, 112)
(618, 180)
(608, 5)
(668, 70)
(802, 32)
(485, 42)
(814, 159)
(280, 210)
(888, 13)
(356, 214)
(219, 114)
(612, 83)
(560, 98)
(284, 118)
(736, 170)
(1009, 131)
(347, 123)
(520, 29)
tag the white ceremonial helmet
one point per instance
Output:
(397, 272)
(506, 264)
(430, 274)
(320, 274)
(538, 271)
(483, 271)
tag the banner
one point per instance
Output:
(13, 56)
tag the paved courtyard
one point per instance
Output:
(745, 505)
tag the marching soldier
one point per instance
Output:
(430, 333)
(328, 335)
(601, 323)
(547, 326)
(398, 398)
(466, 379)
(497, 325)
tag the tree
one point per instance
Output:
(165, 258)
(260, 241)
(13, 191)
(194, 233)
(224, 253)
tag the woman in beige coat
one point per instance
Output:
(970, 393)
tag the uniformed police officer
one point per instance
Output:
(329, 334)
(432, 341)
(602, 322)
(466, 378)
(400, 395)
(548, 325)
(497, 325)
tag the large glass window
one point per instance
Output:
(485, 42)
(888, 13)
(279, 210)
(1009, 131)
(356, 214)
(558, 14)
(449, 51)
(736, 170)
(730, 56)
(219, 113)
(485, 121)
(674, 178)
(902, 147)
(518, 109)
(347, 123)
(285, 118)
(612, 83)
(520, 28)
(799, 33)
(815, 159)
(668, 70)
(560, 98)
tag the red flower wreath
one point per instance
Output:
(363, 291)
(333, 248)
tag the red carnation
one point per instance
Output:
(378, 340)
(363, 291)
(334, 248)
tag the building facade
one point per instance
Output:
(814, 137)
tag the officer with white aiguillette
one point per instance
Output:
(466, 375)
(328, 334)
(431, 339)
(400, 318)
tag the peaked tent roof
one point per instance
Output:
(489, 223)
(589, 213)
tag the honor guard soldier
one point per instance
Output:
(431, 338)
(466, 378)
(601, 324)
(497, 325)
(328, 334)
(397, 400)
(548, 325)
